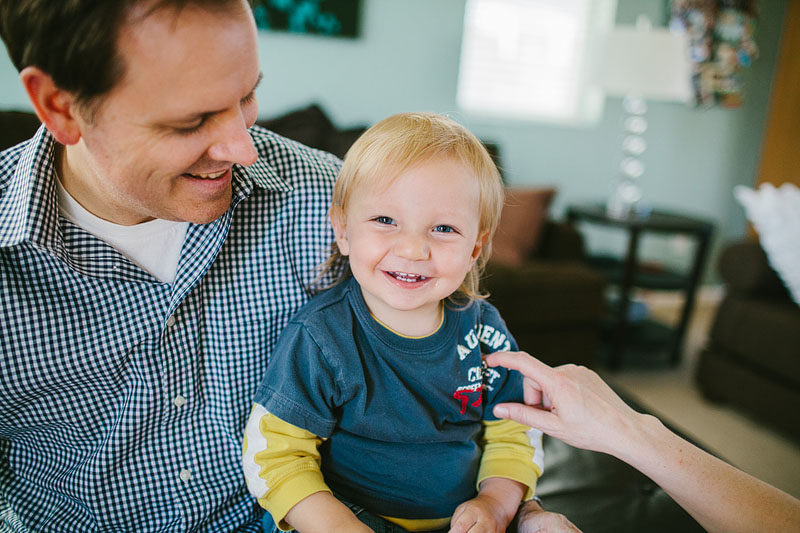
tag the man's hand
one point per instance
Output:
(533, 519)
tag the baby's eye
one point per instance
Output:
(443, 228)
(383, 220)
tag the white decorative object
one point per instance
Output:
(775, 214)
(640, 63)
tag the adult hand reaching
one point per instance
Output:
(570, 403)
(575, 405)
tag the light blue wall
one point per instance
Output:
(407, 59)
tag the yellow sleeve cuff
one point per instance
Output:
(520, 471)
(509, 452)
(280, 500)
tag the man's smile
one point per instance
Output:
(211, 176)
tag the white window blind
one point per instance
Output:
(529, 59)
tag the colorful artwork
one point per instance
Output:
(722, 43)
(333, 18)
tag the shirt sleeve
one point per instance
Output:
(512, 451)
(500, 384)
(281, 464)
(300, 386)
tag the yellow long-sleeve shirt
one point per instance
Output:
(282, 463)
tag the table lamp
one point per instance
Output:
(640, 63)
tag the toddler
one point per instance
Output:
(376, 408)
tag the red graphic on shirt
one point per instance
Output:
(463, 395)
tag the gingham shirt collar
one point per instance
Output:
(29, 211)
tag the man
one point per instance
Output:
(126, 370)
(152, 247)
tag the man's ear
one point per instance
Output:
(479, 244)
(339, 223)
(55, 107)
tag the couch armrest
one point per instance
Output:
(744, 267)
(560, 241)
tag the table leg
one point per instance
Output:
(628, 274)
(691, 290)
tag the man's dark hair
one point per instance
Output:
(74, 41)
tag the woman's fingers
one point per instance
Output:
(528, 416)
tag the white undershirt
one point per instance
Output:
(154, 245)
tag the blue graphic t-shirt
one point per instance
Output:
(402, 417)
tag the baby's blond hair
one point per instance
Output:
(401, 141)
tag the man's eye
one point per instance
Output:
(190, 129)
(443, 228)
(384, 220)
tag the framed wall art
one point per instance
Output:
(331, 18)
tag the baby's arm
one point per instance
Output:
(492, 509)
(282, 468)
(322, 512)
(507, 475)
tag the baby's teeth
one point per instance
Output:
(409, 277)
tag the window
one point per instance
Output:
(530, 59)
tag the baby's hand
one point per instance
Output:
(482, 514)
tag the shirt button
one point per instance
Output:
(171, 321)
(186, 475)
(179, 401)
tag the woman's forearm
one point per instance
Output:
(717, 495)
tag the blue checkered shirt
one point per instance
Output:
(123, 400)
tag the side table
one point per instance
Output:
(627, 272)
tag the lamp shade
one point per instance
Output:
(652, 63)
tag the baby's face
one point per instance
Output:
(411, 244)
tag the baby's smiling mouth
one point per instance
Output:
(406, 277)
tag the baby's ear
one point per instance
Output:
(479, 244)
(339, 223)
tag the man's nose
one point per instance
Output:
(233, 143)
(412, 246)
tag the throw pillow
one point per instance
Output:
(524, 215)
(775, 214)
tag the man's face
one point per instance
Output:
(163, 141)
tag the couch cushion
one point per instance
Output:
(744, 268)
(312, 127)
(724, 379)
(764, 333)
(551, 294)
(309, 126)
(524, 215)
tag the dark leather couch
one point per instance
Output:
(553, 303)
(550, 303)
(752, 359)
